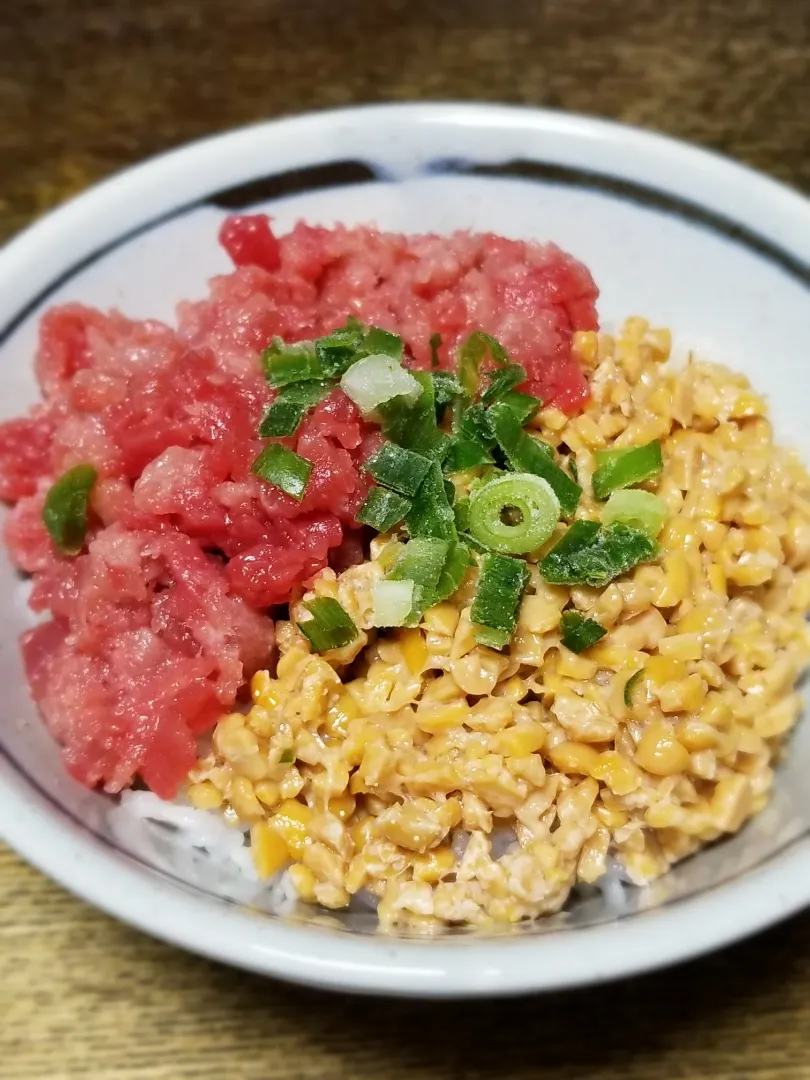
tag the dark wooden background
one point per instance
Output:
(88, 86)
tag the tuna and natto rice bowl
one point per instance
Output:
(389, 562)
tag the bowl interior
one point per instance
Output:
(690, 242)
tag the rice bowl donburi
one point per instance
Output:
(440, 597)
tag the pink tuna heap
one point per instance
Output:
(155, 627)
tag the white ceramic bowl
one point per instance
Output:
(686, 238)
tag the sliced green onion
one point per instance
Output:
(348, 344)
(291, 406)
(630, 686)
(435, 345)
(412, 423)
(475, 426)
(339, 350)
(461, 510)
(382, 342)
(588, 554)
(526, 455)
(455, 567)
(445, 387)
(392, 602)
(639, 509)
(376, 379)
(330, 627)
(579, 633)
(382, 509)
(432, 513)
(573, 470)
(283, 469)
(398, 468)
(287, 757)
(502, 381)
(493, 639)
(513, 514)
(284, 364)
(470, 356)
(494, 611)
(464, 454)
(524, 406)
(65, 511)
(421, 562)
(624, 468)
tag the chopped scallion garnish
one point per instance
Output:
(630, 686)
(292, 404)
(65, 511)
(513, 514)
(588, 554)
(382, 509)
(284, 364)
(475, 425)
(501, 381)
(624, 468)
(432, 513)
(392, 602)
(494, 611)
(455, 567)
(421, 562)
(470, 357)
(398, 468)
(464, 454)
(375, 379)
(445, 387)
(330, 627)
(579, 632)
(283, 469)
(526, 455)
(639, 509)
(412, 423)
(338, 351)
(524, 406)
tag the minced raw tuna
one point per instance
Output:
(153, 629)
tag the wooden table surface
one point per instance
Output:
(88, 86)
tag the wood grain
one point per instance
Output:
(87, 87)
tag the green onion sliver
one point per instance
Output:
(330, 627)
(623, 468)
(382, 509)
(463, 454)
(446, 387)
(455, 567)
(392, 602)
(579, 632)
(629, 686)
(292, 404)
(470, 356)
(502, 381)
(376, 379)
(494, 611)
(524, 406)
(526, 455)
(639, 509)
(398, 468)
(421, 561)
(590, 554)
(513, 514)
(412, 422)
(65, 511)
(283, 469)
(432, 514)
(284, 364)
